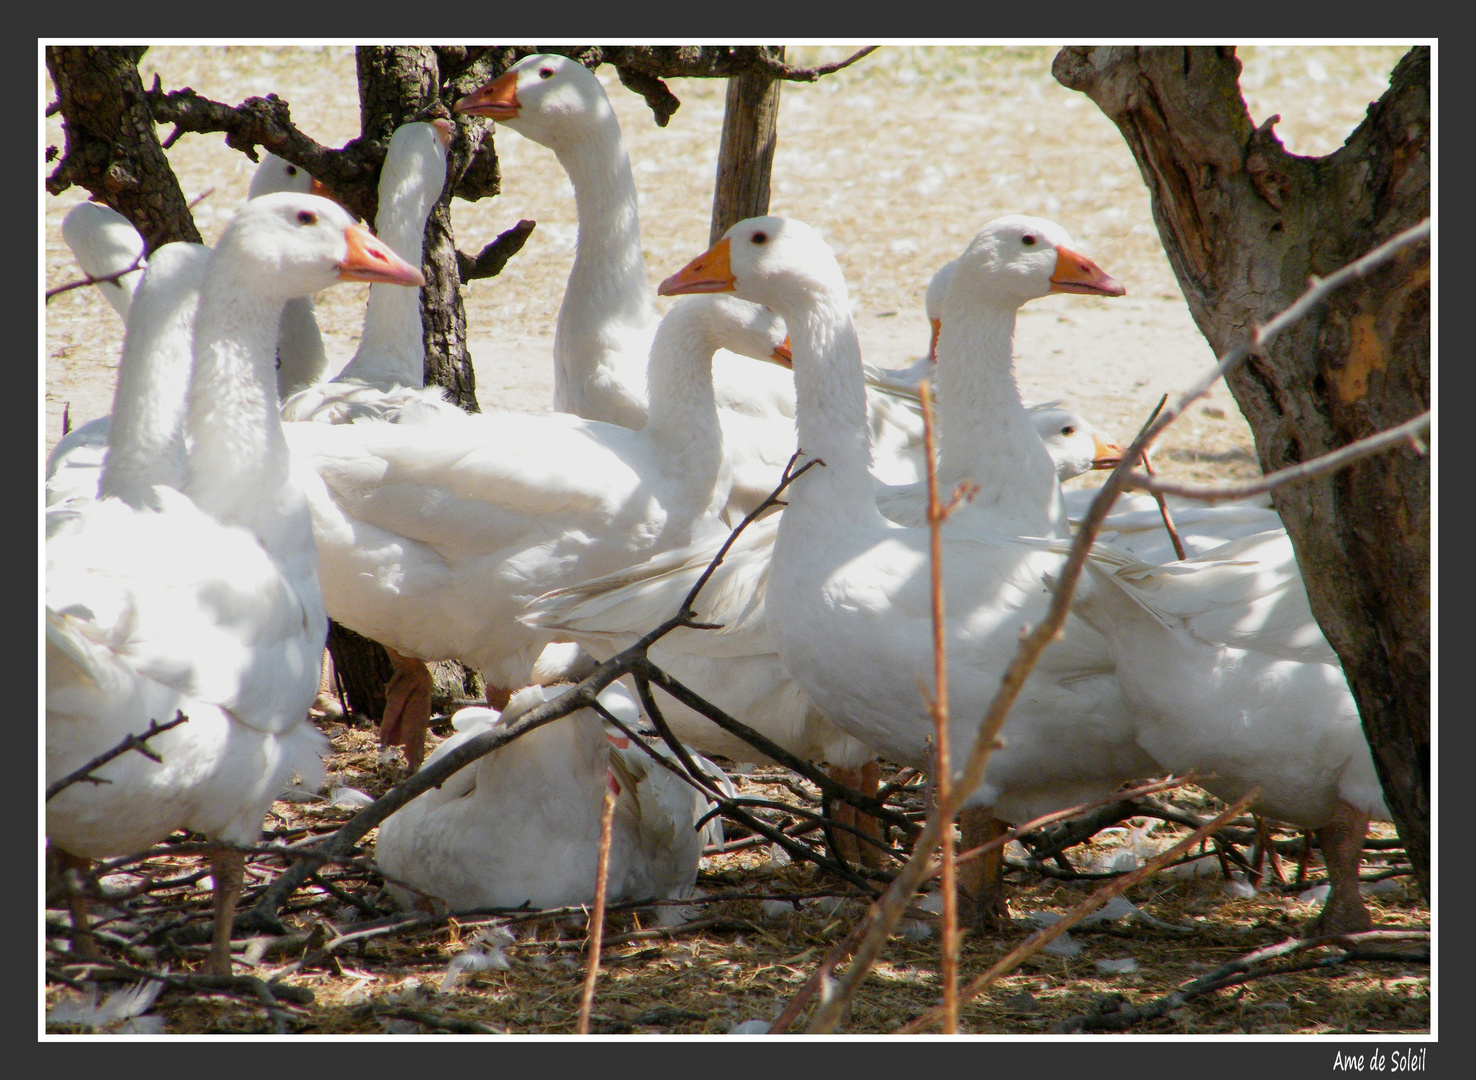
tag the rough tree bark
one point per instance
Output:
(1245, 223)
(111, 147)
(746, 155)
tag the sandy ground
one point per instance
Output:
(898, 160)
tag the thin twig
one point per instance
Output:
(88, 279)
(1163, 506)
(944, 770)
(784, 71)
(137, 742)
(1407, 432)
(597, 917)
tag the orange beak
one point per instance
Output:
(497, 99)
(1078, 274)
(784, 354)
(933, 341)
(324, 192)
(707, 273)
(1108, 454)
(444, 130)
(371, 259)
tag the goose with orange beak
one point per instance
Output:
(847, 591)
(191, 587)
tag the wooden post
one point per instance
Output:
(750, 130)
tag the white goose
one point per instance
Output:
(1073, 443)
(521, 825)
(607, 316)
(1221, 657)
(201, 598)
(104, 242)
(431, 538)
(850, 598)
(385, 378)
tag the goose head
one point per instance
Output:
(1072, 442)
(768, 260)
(548, 98)
(415, 168)
(276, 174)
(289, 244)
(1017, 258)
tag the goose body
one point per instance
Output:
(521, 825)
(432, 537)
(200, 598)
(1231, 676)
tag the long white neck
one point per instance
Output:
(146, 433)
(301, 359)
(607, 298)
(683, 418)
(238, 463)
(984, 432)
(830, 417)
(391, 350)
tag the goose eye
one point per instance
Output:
(1068, 430)
(1028, 239)
(291, 170)
(307, 217)
(545, 73)
(760, 238)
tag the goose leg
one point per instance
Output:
(228, 868)
(407, 707)
(845, 814)
(981, 893)
(867, 780)
(1341, 841)
(871, 855)
(72, 870)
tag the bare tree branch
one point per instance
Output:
(1407, 433)
(492, 258)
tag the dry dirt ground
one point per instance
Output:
(898, 161)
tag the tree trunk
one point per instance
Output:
(399, 84)
(112, 149)
(1245, 224)
(746, 156)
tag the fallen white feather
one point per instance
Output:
(1117, 967)
(473, 960)
(124, 1008)
(347, 798)
(750, 1027)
